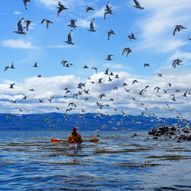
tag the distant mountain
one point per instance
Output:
(89, 121)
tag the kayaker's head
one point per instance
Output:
(74, 130)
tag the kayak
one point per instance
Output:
(92, 140)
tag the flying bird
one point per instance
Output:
(11, 86)
(20, 29)
(137, 5)
(176, 62)
(92, 29)
(126, 51)
(28, 22)
(131, 37)
(178, 28)
(109, 33)
(146, 65)
(60, 8)
(47, 21)
(25, 3)
(69, 40)
(109, 57)
(35, 65)
(88, 8)
(107, 10)
(72, 23)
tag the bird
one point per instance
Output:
(160, 74)
(126, 51)
(176, 62)
(72, 23)
(88, 8)
(28, 22)
(6, 68)
(47, 21)
(178, 28)
(106, 71)
(134, 81)
(85, 67)
(25, 3)
(20, 29)
(131, 37)
(137, 5)
(11, 86)
(60, 8)
(94, 68)
(92, 29)
(146, 65)
(157, 89)
(69, 40)
(109, 33)
(109, 57)
(107, 10)
(35, 65)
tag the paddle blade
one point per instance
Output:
(94, 140)
(53, 140)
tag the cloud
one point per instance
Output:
(17, 44)
(158, 24)
(66, 89)
(16, 12)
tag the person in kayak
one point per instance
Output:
(74, 137)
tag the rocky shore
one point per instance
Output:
(172, 132)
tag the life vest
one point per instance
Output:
(74, 138)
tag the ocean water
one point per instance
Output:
(120, 161)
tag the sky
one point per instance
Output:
(155, 45)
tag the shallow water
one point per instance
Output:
(28, 161)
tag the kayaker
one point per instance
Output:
(74, 137)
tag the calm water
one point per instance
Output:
(28, 161)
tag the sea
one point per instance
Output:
(121, 160)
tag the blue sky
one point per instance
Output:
(154, 44)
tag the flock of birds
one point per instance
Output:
(102, 101)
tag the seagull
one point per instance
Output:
(35, 65)
(109, 33)
(126, 51)
(69, 40)
(109, 57)
(137, 5)
(159, 74)
(6, 68)
(88, 8)
(157, 89)
(28, 22)
(178, 28)
(85, 67)
(106, 71)
(131, 37)
(20, 27)
(11, 86)
(107, 10)
(60, 8)
(146, 65)
(25, 3)
(94, 68)
(176, 62)
(92, 29)
(134, 81)
(47, 22)
(72, 23)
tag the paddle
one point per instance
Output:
(92, 140)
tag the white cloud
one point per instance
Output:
(123, 100)
(158, 24)
(17, 44)
(16, 12)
